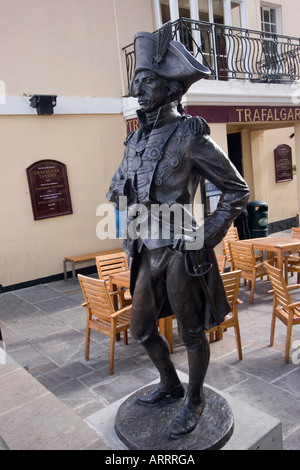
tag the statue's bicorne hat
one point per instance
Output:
(169, 59)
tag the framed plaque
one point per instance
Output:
(49, 189)
(283, 163)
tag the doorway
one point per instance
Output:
(235, 153)
(235, 150)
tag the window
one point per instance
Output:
(268, 19)
(203, 10)
(218, 11)
(230, 12)
(210, 196)
(270, 26)
(165, 11)
(184, 8)
(236, 14)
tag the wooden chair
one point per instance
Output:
(112, 264)
(292, 261)
(221, 262)
(243, 258)
(283, 307)
(295, 232)
(231, 235)
(102, 316)
(231, 282)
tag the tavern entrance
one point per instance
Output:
(255, 136)
(235, 150)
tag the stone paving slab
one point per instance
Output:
(32, 418)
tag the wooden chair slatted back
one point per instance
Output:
(231, 281)
(283, 307)
(242, 256)
(295, 232)
(279, 286)
(231, 235)
(221, 259)
(111, 264)
(97, 297)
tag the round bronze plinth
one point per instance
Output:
(147, 427)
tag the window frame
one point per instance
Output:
(174, 11)
(278, 13)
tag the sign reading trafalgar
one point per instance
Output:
(240, 114)
(49, 189)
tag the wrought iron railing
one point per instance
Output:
(235, 53)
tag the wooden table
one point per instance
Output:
(276, 245)
(122, 279)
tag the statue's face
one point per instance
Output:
(150, 89)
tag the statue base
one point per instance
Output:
(146, 427)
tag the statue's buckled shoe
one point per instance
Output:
(158, 394)
(187, 419)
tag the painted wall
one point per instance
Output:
(282, 197)
(69, 47)
(33, 249)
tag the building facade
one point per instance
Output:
(79, 53)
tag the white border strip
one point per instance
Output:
(231, 93)
(237, 93)
(20, 105)
(203, 92)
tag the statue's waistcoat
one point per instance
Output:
(144, 155)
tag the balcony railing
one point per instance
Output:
(235, 53)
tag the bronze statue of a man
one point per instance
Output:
(162, 165)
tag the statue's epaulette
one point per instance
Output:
(198, 126)
(128, 137)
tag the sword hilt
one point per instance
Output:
(198, 269)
